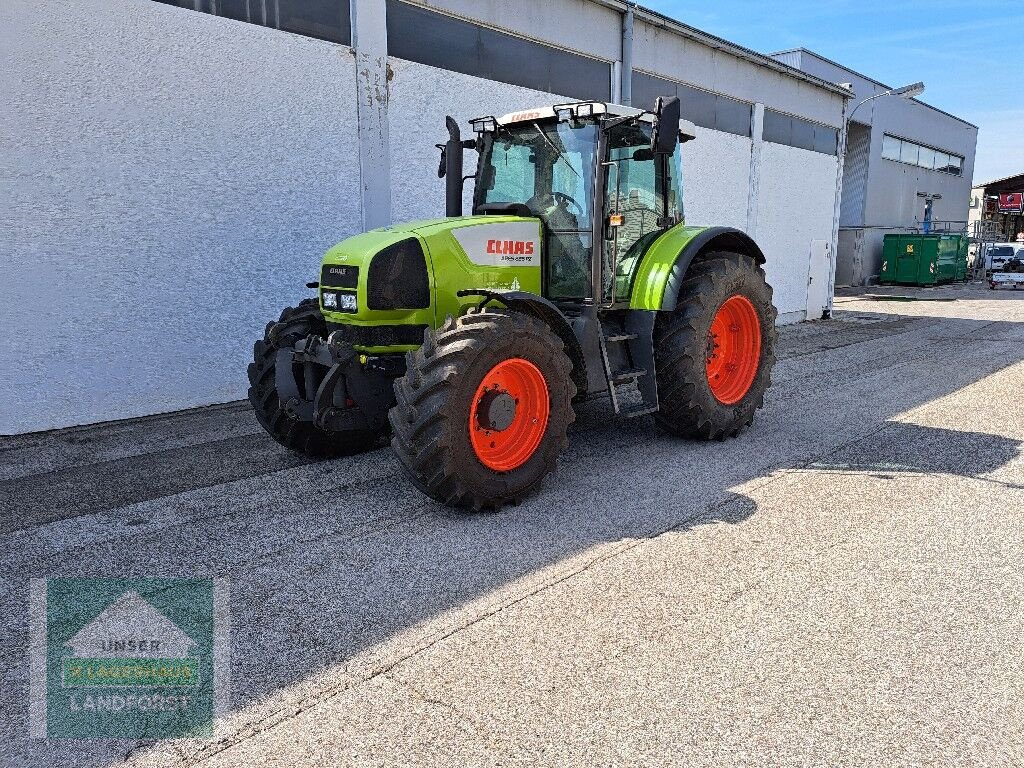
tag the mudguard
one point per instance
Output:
(660, 273)
(545, 310)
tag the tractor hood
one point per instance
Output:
(414, 273)
(478, 238)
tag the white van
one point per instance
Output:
(997, 254)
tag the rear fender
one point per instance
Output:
(662, 269)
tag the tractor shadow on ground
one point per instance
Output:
(328, 561)
(902, 448)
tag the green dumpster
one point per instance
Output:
(948, 263)
(961, 259)
(914, 259)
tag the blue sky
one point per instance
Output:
(970, 55)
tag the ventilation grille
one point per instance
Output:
(381, 335)
(398, 278)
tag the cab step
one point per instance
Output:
(633, 361)
(619, 337)
(641, 409)
(627, 375)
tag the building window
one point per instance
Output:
(427, 37)
(323, 19)
(909, 152)
(703, 108)
(890, 147)
(780, 128)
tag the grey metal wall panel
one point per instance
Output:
(427, 37)
(706, 109)
(855, 176)
(780, 128)
(323, 19)
(791, 58)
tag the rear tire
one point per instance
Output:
(700, 394)
(300, 436)
(437, 434)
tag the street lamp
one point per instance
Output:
(903, 92)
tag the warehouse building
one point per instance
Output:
(176, 170)
(907, 168)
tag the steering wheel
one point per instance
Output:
(567, 201)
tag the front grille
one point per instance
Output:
(380, 335)
(398, 278)
(339, 276)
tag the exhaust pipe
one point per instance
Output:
(453, 169)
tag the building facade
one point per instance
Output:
(907, 168)
(997, 210)
(176, 170)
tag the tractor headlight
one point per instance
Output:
(339, 301)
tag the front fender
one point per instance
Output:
(661, 271)
(546, 311)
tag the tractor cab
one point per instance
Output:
(594, 176)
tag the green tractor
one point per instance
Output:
(468, 339)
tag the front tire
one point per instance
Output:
(483, 408)
(714, 354)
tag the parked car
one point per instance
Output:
(998, 254)
(1016, 264)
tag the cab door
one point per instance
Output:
(643, 198)
(568, 226)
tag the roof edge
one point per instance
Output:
(999, 181)
(714, 42)
(879, 83)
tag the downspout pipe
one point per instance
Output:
(626, 71)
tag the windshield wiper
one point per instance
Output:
(561, 155)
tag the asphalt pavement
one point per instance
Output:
(841, 585)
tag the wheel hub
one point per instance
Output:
(509, 414)
(733, 349)
(496, 410)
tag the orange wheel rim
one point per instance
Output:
(509, 414)
(733, 350)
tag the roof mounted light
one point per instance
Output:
(584, 110)
(484, 124)
(564, 114)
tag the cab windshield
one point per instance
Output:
(547, 166)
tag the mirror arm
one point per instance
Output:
(441, 168)
(607, 125)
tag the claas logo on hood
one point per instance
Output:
(524, 247)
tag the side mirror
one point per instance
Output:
(442, 169)
(665, 134)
